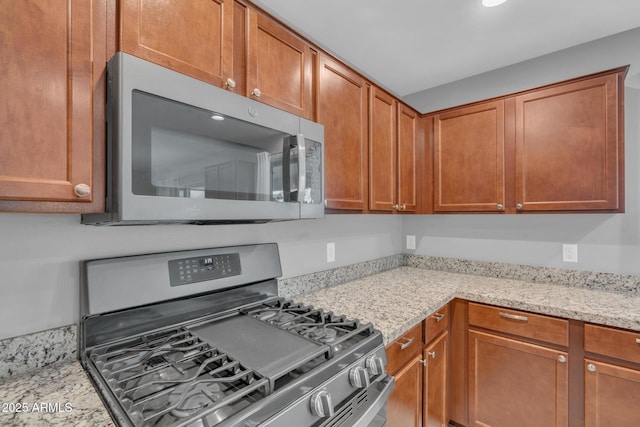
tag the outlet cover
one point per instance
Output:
(569, 253)
(411, 242)
(331, 252)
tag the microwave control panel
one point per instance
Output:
(199, 269)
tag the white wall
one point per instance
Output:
(606, 242)
(40, 255)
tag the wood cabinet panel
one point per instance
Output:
(469, 164)
(624, 345)
(569, 146)
(404, 348)
(279, 67)
(535, 326)
(611, 395)
(382, 151)
(193, 37)
(407, 158)
(515, 383)
(437, 323)
(51, 70)
(404, 407)
(342, 107)
(436, 387)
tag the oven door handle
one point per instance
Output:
(379, 402)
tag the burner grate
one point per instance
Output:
(173, 377)
(311, 323)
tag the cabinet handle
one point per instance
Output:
(637, 340)
(591, 367)
(439, 316)
(396, 207)
(500, 207)
(562, 358)
(514, 317)
(424, 362)
(82, 190)
(432, 354)
(403, 207)
(231, 83)
(407, 343)
(256, 92)
(519, 206)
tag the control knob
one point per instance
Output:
(321, 404)
(375, 365)
(359, 377)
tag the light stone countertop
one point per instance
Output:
(56, 395)
(398, 299)
(393, 301)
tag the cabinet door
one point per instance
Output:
(569, 146)
(513, 383)
(49, 51)
(279, 67)
(610, 395)
(193, 37)
(435, 383)
(407, 193)
(382, 151)
(404, 407)
(342, 109)
(469, 161)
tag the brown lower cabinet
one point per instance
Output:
(420, 396)
(492, 366)
(514, 383)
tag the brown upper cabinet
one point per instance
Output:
(557, 148)
(392, 154)
(342, 107)
(52, 81)
(279, 67)
(192, 37)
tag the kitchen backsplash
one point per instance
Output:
(29, 352)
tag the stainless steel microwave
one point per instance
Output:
(181, 150)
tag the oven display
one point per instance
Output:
(199, 269)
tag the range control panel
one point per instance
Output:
(191, 270)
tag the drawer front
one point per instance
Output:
(404, 348)
(534, 326)
(612, 342)
(436, 324)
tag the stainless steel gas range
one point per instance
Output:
(200, 338)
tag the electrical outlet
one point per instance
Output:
(411, 242)
(569, 253)
(331, 252)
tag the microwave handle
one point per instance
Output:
(289, 143)
(302, 166)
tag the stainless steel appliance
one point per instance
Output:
(200, 338)
(181, 150)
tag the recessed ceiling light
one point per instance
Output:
(492, 3)
(216, 116)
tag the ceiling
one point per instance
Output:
(411, 45)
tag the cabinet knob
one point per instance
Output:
(500, 207)
(562, 358)
(231, 83)
(82, 190)
(403, 207)
(396, 207)
(591, 367)
(432, 354)
(519, 206)
(256, 92)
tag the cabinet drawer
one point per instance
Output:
(436, 323)
(612, 342)
(542, 328)
(404, 348)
